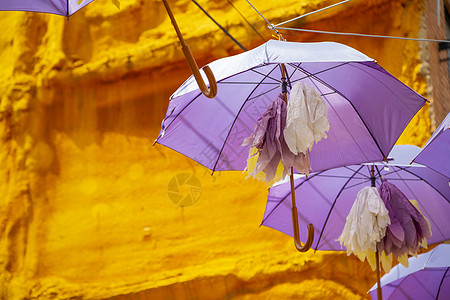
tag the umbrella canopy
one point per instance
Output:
(436, 152)
(329, 195)
(368, 108)
(58, 7)
(427, 277)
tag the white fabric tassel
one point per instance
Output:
(306, 120)
(365, 224)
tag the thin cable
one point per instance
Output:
(364, 35)
(223, 29)
(310, 13)
(254, 29)
(271, 26)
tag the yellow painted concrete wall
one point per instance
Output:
(84, 210)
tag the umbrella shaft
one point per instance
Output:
(372, 176)
(379, 292)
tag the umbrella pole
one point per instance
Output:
(294, 212)
(212, 91)
(379, 291)
(377, 254)
(297, 242)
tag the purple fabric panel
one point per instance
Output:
(198, 128)
(58, 7)
(422, 285)
(313, 203)
(316, 196)
(421, 279)
(437, 154)
(348, 137)
(375, 94)
(74, 6)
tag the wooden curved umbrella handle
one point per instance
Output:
(297, 242)
(212, 91)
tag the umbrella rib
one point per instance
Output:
(440, 284)
(424, 208)
(405, 169)
(354, 140)
(425, 100)
(242, 82)
(337, 176)
(262, 74)
(308, 74)
(237, 115)
(285, 197)
(332, 206)
(339, 93)
(292, 74)
(357, 171)
(331, 131)
(220, 81)
(274, 88)
(262, 94)
(175, 117)
(268, 91)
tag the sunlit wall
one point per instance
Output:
(85, 208)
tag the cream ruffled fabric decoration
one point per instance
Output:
(268, 147)
(365, 224)
(307, 120)
(386, 259)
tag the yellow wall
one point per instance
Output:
(84, 209)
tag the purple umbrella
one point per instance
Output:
(58, 7)
(427, 277)
(368, 108)
(330, 195)
(436, 152)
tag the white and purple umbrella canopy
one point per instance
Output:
(426, 278)
(58, 7)
(325, 198)
(436, 152)
(368, 108)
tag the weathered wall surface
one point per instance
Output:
(84, 208)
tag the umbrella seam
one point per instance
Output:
(285, 197)
(425, 182)
(338, 116)
(332, 206)
(389, 74)
(235, 119)
(440, 284)
(342, 95)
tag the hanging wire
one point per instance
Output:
(310, 13)
(363, 35)
(250, 24)
(223, 29)
(271, 26)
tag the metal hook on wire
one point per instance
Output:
(212, 91)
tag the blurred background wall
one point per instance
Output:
(84, 208)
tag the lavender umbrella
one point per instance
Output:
(330, 194)
(368, 108)
(58, 7)
(436, 152)
(427, 277)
